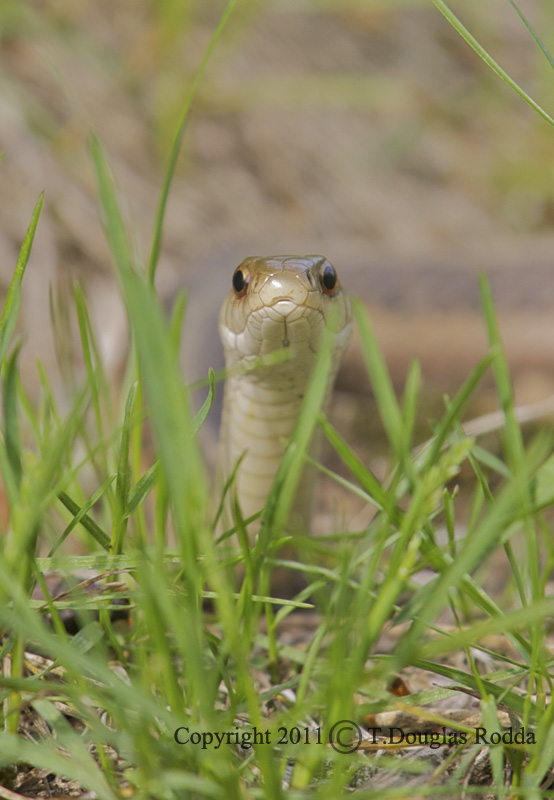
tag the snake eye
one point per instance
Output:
(329, 280)
(241, 279)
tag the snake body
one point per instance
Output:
(275, 302)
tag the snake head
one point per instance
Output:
(282, 301)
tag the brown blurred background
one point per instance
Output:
(366, 130)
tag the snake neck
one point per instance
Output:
(258, 419)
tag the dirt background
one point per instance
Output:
(367, 131)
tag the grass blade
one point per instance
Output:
(282, 494)
(546, 53)
(123, 476)
(176, 146)
(142, 488)
(87, 522)
(389, 409)
(179, 457)
(13, 297)
(81, 516)
(489, 60)
(12, 436)
(204, 410)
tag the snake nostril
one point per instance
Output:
(241, 279)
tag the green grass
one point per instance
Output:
(491, 62)
(103, 706)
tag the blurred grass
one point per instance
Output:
(125, 692)
(158, 50)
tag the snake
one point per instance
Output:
(275, 303)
